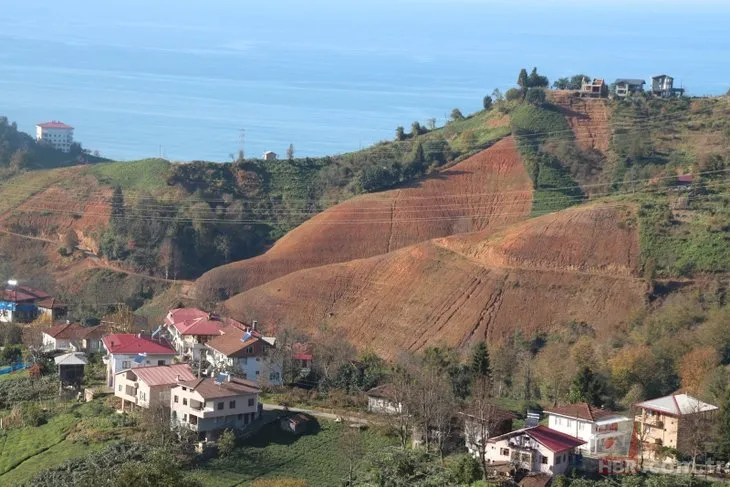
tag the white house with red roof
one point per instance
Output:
(189, 329)
(602, 430)
(149, 386)
(538, 449)
(126, 351)
(245, 352)
(58, 134)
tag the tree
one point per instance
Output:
(561, 83)
(226, 443)
(522, 79)
(535, 96)
(117, 217)
(695, 366)
(19, 160)
(487, 103)
(513, 94)
(400, 133)
(587, 387)
(416, 129)
(70, 240)
(431, 123)
(723, 433)
(497, 95)
(456, 114)
(480, 423)
(554, 381)
(480, 368)
(159, 469)
(290, 152)
(10, 354)
(537, 81)
(351, 446)
(403, 387)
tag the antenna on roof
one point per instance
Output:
(246, 336)
(221, 378)
(159, 329)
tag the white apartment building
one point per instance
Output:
(56, 133)
(210, 406)
(603, 431)
(126, 351)
(149, 386)
(246, 353)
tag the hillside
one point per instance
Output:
(481, 193)
(537, 275)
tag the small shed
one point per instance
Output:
(269, 156)
(298, 424)
(71, 368)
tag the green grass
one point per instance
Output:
(317, 458)
(145, 175)
(18, 445)
(19, 188)
(14, 375)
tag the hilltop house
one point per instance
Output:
(189, 329)
(663, 85)
(57, 134)
(269, 156)
(624, 87)
(669, 421)
(602, 431)
(150, 386)
(210, 406)
(125, 351)
(538, 449)
(244, 351)
(381, 399)
(74, 336)
(596, 88)
(24, 304)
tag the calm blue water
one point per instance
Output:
(328, 76)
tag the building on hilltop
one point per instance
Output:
(603, 431)
(149, 386)
(269, 156)
(126, 351)
(663, 86)
(596, 88)
(624, 87)
(210, 406)
(57, 134)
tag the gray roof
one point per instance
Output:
(631, 81)
(661, 76)
(677, 405)
(73, 358)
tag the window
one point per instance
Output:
(257, 373)
(569, 423)
(544, 460)
(250, 402)
(160, 362)
(185, 388)
(125, 364)
(185, 401)
(504, 452)
(119, 388)
(249, 349)
(274, 376)
(175, 399)
(231, 404)
(220, 405)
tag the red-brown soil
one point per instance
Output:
(588, 118)
(538, 275)
(483, 193)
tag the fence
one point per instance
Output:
(13, 368)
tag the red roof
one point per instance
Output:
(194, 321)
(66, 330)
(18, 294)
(129, 343)
(554, 441)
(161, 375)
(302, 351)
(581, 410)
(55, 124)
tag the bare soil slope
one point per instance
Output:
(537, 275)
(482, 193)
(588, 118)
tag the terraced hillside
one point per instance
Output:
(482, 193)
(576, 265)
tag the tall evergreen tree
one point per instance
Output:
(117, 210)
(587, 387)
(522, 79)
(480, 362)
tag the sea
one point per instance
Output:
(199, 80)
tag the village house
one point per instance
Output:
(189, 329)
(624, 87)
(74, 337)
(71, 368)
(269, 156)
(303, 358)
(149, 386)
(125, 351)
(663, 86)
(381, 399)
(24, 304)
(669, 421)
(596, 88)
(243, 351)
(479, 427)
(538, 449)
(210, 406)
(603, 431)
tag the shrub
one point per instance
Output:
(513, 94)
(487, 102)
(226, 443)
(535, 96)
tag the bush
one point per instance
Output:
(464, 469)
(487, 102)
(226, 443)
(535, 96)
(32, 415)
(513, 94)
(11, 354)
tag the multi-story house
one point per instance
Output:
(624, 87)
(245, 352)
(538, 449)
(210, 406)
(670, 421)
(125, 351)
(58, 134)
(189, 329)
(75, 337)
(603, 431)
(149, 386)
(20, 303)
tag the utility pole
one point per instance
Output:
(242, 141)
